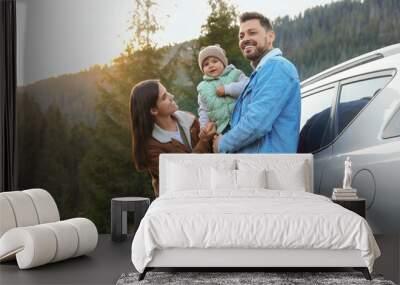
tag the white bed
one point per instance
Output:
(214, 211)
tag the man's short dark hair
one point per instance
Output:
(264, 21)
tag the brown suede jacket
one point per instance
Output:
(161, 143)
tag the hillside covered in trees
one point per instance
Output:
(328, 35)
(74, 130)
(314, 41)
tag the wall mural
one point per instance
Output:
(73, 112)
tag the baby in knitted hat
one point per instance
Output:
(221, 85)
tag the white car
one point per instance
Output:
(353, 109)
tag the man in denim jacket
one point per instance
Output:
(266, 117)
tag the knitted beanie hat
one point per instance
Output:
(215, 51)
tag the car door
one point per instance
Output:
(359, 117)
(316, 127)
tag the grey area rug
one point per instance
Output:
(273, 278)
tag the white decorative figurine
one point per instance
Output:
(347, 174)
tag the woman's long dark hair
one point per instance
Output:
(144, 96)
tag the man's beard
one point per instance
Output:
(256, 55)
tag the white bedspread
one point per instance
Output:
(250, 219)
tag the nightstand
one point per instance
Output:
(119, 208)
(358, 206)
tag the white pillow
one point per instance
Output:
(226, 179)
(281, 174)
(193, 175)
(251, 178)
(182, 177)
(223, 179)
(292, 178)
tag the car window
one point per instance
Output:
(353, 98)
(393, 128)
(315, 115)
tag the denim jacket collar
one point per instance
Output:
(270, 54)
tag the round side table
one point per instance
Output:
(119, 208)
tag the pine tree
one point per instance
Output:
(221, 27)
(52, 172)
(107, 170)
(30, 124)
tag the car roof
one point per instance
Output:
(381, 59)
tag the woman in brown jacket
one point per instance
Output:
(158, 127)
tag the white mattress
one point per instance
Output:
(253, 218)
